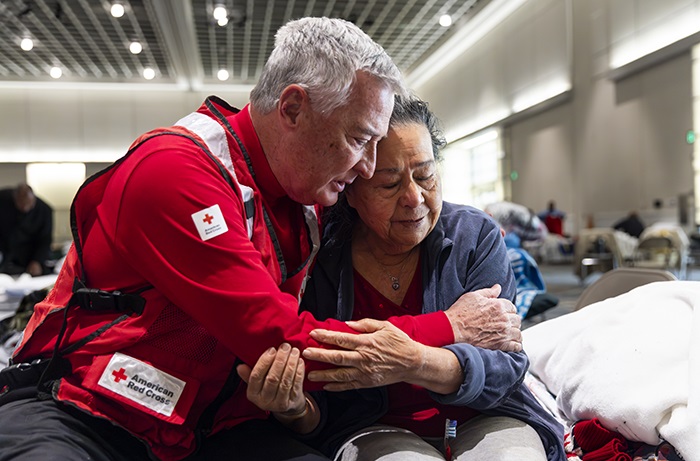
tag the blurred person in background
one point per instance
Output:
(553, 218)
(26, 229)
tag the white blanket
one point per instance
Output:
(632, 361)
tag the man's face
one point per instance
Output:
(25, 202)
(401, 203)
(335, 149)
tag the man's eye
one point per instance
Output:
(390, 186)
(360, 142)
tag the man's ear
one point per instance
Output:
(293, 101)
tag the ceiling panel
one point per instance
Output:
(182, 42)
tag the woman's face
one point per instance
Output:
(401, 203)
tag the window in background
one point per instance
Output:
(471, 170)
(56, 183)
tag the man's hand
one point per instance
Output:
(275, 382)
(481, 318)
(382, 355)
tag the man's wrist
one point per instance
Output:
(292, 415)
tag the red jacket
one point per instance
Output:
(170, 219)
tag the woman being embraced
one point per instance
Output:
(393, 247)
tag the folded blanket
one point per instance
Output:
(632, 361)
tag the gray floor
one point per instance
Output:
(564, 284)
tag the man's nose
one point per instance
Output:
(365, 167)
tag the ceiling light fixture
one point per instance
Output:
(220, 12)
(221, 15)
(445, 20)
(222, 74)
(56, 72)
(26, 44)
(149, 73)
(117, 10)
(135, 47)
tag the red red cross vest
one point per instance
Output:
(162, 397)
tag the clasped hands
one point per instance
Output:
(380, 355)
(384, 355)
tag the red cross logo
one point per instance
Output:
(119, 375)
(208, 219)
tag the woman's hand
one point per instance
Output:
(275, 385)
(382, 355)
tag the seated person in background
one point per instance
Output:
(26, 230)
(630, 225)
(395, 248)
(553, 218)
(517, 219)
(532, 297)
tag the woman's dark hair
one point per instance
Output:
(341, 217)
(412, 110)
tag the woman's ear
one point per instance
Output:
(293, 101)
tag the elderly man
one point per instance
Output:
(26, 226)
(190, 255)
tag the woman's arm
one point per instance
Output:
(460, 374)
(370, 360)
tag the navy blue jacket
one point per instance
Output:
(465, 252)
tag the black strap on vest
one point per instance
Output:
(285, 273)
(94, 299)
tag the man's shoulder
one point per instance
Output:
(42, 205)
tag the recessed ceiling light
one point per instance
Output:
(222, 21)
(26, 44)
(55, 72)
(445, 20)
(220, 12)
(135, 47)
(222, 75)
(149, 74)
(117, 10)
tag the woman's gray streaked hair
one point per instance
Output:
(341, 217)
(322, 55)
(412, 110)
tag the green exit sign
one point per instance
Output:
(690, 137)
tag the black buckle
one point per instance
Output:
(94, 299)
(23, 374)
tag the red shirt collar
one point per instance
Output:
(264, 177)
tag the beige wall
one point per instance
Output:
(613, 146)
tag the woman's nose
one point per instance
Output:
(412, 195)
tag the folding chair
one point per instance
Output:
(618, 281)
